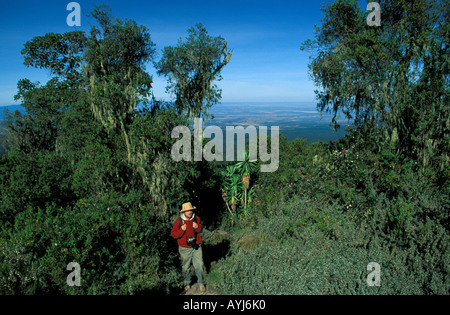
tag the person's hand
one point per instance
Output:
(183, 227)
(195, 225)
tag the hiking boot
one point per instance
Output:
(202, 288)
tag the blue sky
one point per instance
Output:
(267, 64)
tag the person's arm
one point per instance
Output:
(198, 227)
(178, 231)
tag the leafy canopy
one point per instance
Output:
(191, 68)
(393, 79)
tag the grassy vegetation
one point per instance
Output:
(328, 212)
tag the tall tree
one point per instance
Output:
(191, 68)
(115, 59)
(394, 78)
(61, 55)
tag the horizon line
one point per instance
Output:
(225, 102)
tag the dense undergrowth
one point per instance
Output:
(328, 212)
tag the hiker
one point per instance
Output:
(186, 230)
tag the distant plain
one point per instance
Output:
(295, 120)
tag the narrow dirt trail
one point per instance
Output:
(195, 290)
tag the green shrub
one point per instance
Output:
(311, 247)
(121, 249)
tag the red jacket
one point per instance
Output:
(182, 236)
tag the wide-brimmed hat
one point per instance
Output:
(187, 206)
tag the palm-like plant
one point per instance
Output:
(235, 191)
(236, 185)
(245, 168)
(251, 195)
(230, 189)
